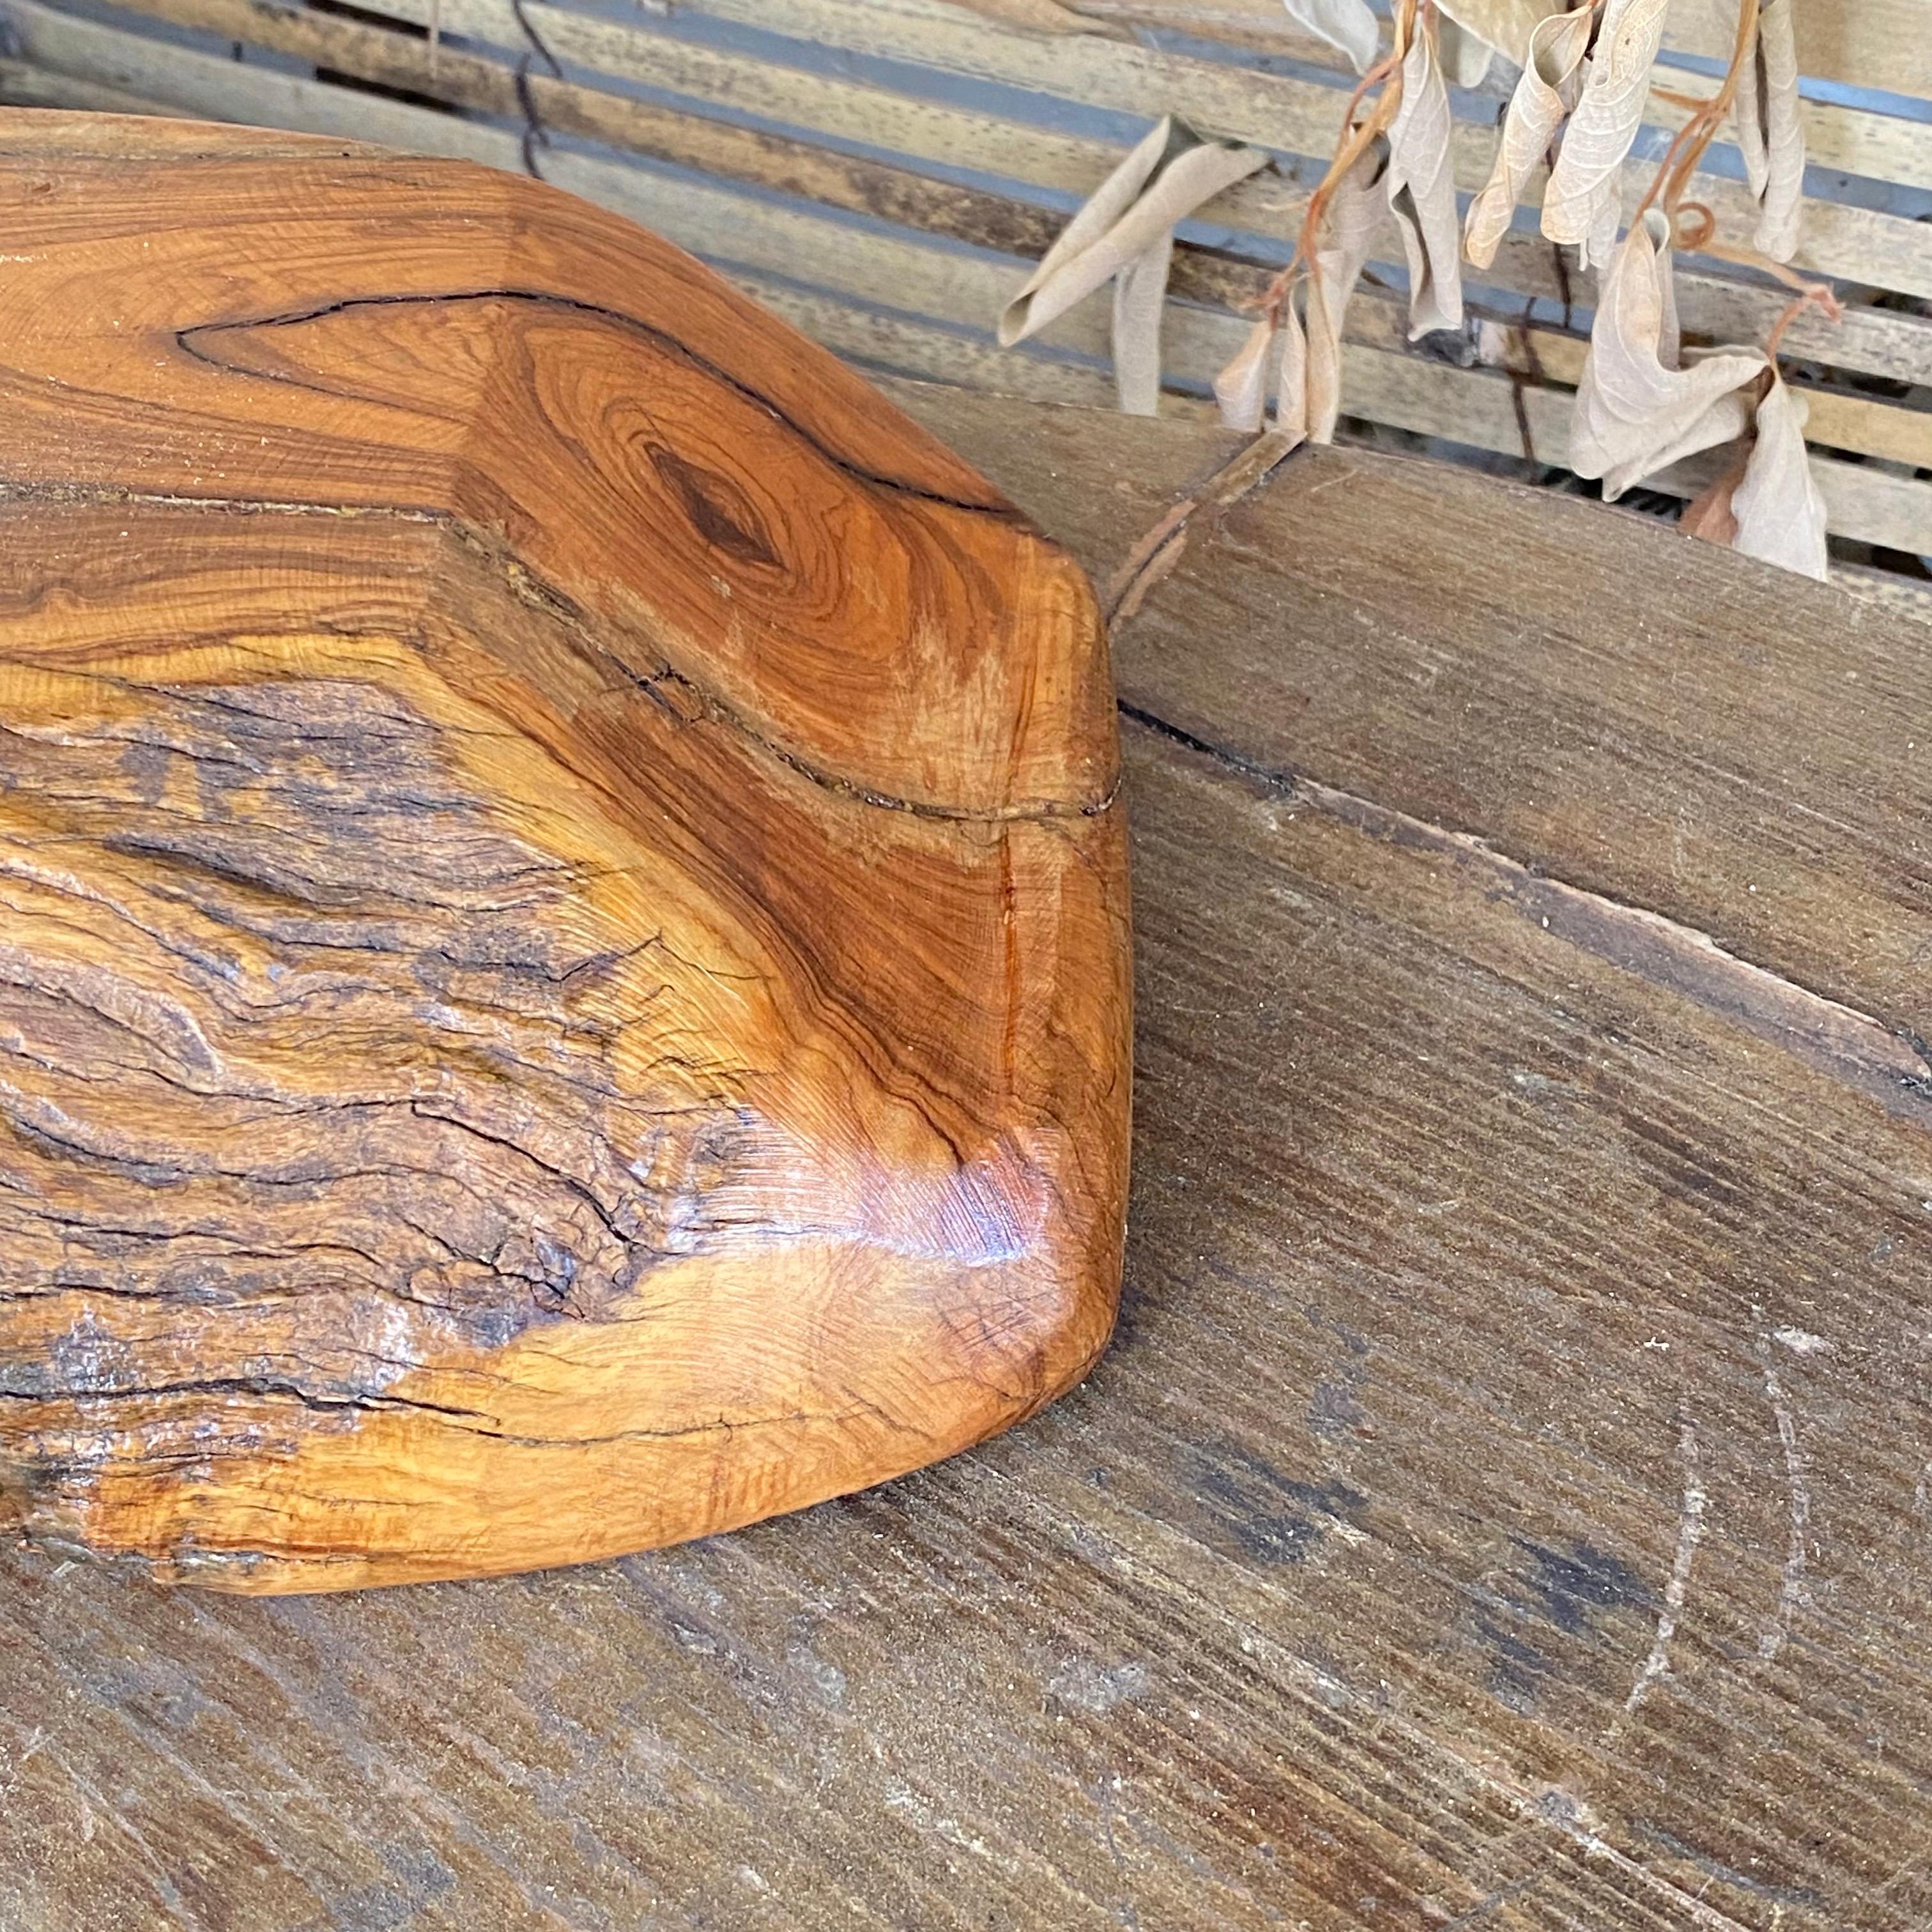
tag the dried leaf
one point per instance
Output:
(1465, 56)
(1240, 390)
(1545, 90)
(1349, 25)
(1125, 229)
(1585, 196)
(1771, 134)
(1636, 411)
(1140, 298)
(1780, 513)
(1309, 381)
(1290, 407)
(1505, 25)
(1347, 236)
(1708, 514)
(1422, 191)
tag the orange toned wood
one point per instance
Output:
(563, 958)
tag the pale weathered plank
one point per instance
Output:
(753, 234)
(1377, 318)
(1885, 43)
(1277, 111)
(1546, 663)
(1878, 341)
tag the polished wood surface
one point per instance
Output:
(563, 970)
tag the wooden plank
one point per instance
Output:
(754, 235)
(1275, 111)
(1501, 1302)
(1884, 44)
(1705, 805)
(1877, 341)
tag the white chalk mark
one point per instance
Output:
(1690, 1534)
(1791, 1590)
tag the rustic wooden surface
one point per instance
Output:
(1508, 1502)
(564, 982)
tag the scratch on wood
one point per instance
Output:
(1159, 548)
(1791, 1589)
(1690, 1534)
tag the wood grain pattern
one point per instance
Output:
(563, 977)
(1506, 1499)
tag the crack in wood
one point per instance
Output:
(1840, 1040)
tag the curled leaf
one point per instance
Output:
(1240, 390)
(1780, 516)
(1637, 410)
(1422, 191)
(1308, 376)
(1465, 56)
(1348, 235)
(1348, 25)
(1708, 514)
(1545, 90)
(1125, 230)
(1291, 408)
(1504, 24)
(1771, 135)
(1584, 199)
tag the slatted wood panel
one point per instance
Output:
(881, 171)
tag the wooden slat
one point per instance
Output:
(1885, 44)
(862, 186)
(1485, 1275)
(908, 273)
(1876, 43)
(1876, 341)
(871, 188)
(1275, 110)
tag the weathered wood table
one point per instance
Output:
(1509, 1501)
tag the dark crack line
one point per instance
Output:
(997, 511)
(1888, 1063)
(562, 611)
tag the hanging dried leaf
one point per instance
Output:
(1348, 25)
(1291, 408)
(1422, 191)
(1140, 296)
(1584, 199)
(1546, 90)
(1465, 56)
(1347, 236)
(1126, 229)
(1780, 516)
(1770, 133)
(1708, 514)
(1240, 390)
(1504, 24)
(1637, 410)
